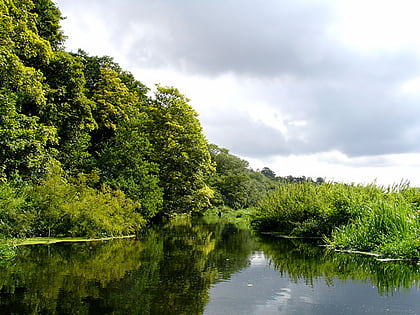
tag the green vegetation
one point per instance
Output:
(85, 149)
(349, 217)
(235, 184)
(126, 276)
(7, 251)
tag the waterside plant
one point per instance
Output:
(349, 217)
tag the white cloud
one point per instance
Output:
(314, 88)
(370, 26)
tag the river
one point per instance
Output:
(203, 267)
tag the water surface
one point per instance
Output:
(203, 267)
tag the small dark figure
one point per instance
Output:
(219, 214)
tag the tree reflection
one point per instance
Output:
(169, 270)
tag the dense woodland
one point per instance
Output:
(87, 149)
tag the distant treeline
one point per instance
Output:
(290, 179)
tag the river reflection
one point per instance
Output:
(196, 267)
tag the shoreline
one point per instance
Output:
(54, 240)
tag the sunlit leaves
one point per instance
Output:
(180, 151)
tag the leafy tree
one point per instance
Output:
(68, 110)
(19, 42)
(236, 185)
(180, 150)
(125, 164)
(24, 142)
(268, 172)
(48, 18)
(92, 70)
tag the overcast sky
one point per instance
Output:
(321, 88)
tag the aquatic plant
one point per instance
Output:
(351, 217)
(387, 228)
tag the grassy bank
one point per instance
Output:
(238, 216)
(350, 217)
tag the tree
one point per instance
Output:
(20, 42)
(180, 150)
(24, 140)
(124, 164)
(48, 18)
(269, 173)
(112, 104)
(68, 110)
(235, 184)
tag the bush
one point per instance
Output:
(15, 219)
(74, 209)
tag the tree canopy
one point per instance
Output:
(78, 131)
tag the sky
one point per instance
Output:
(315, 88)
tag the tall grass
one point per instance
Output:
(355, 217)
(385, 227)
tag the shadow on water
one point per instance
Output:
(171, 270)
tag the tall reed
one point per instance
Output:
(355, 217)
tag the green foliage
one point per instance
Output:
(15, 219)
(112, 99)
(389, 227)
(364, 218)
(180, 150)
(68, 110)
(70, 208)
(7, 251)
(235, 184)
(303, 209)
(60, 207)
(48, 18)
(125, 165)
(20, 42)
(24, 143)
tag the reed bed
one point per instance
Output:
(350, 217)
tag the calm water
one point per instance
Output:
(203, 268)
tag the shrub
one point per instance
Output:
(74, 209)
(15, 219)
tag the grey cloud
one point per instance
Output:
(348, 100)
(243, 135)
(244, 37)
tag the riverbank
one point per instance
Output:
(53, 240)
(373, 219)
(8, 247)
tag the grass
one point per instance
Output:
(388, 228)
(369, 218)
(238, 216)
